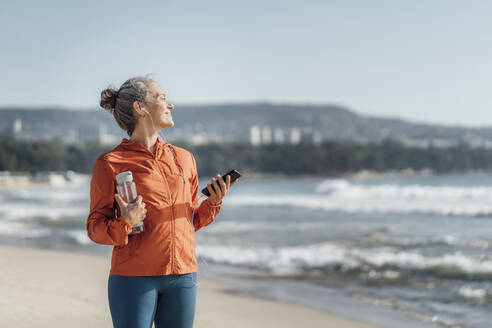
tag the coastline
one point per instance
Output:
(49, 288)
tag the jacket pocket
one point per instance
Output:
(130, 250)
(191, 242)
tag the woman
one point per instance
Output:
(153, 276)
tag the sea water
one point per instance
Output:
(400, 251)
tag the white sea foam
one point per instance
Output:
(241, 226)
(386, 274)
(379, 238)
(332, 185)
(46, 201)
(331, 254)
(24, 211)
(79, 236)
(342, 195)
(415, 261)
(45, 193)
(477, 295)
(473, 293)
(21, 230)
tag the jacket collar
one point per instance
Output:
(132, 144)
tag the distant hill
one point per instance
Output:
(233, 122)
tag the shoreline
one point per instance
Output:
(52, 288)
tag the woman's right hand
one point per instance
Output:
(133, 213)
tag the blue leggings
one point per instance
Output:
(168, 301)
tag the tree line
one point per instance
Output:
(327, 158)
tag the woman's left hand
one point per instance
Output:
(216, 197)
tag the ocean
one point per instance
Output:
(394, 250)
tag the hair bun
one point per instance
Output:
(108, 99)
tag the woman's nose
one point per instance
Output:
(170, 106)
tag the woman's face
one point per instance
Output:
(160, 108)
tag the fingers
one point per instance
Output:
(120, 200)
(142, 205)
(217, 188)
(210, 190)
(223, 186)
(142, 208)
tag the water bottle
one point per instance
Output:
(127, 190)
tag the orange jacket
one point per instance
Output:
(170, 192)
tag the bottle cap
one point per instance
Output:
(124, 177)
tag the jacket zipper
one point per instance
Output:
(192, 214)
(172, 211)
(172, 206)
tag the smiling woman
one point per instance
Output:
(156, 267)
(127, 105)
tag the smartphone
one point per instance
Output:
(234, 176)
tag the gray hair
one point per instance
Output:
(120, 102)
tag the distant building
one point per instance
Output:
(479, 143)
(295, 136)
(443, 143)
(96, 133)
(317, 137)
(415, 143)
(17, 126)
(266, 135)
(106, 138)
(255, 135)
(15, 129)
(278, 135)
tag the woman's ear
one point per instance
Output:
(139, 110)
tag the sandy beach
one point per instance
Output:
(45, 288)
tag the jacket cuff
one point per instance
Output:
(127, 227)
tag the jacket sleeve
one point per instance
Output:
(205, 213)
(102, 226)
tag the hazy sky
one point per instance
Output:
(422, 60)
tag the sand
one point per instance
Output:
(43, 288)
